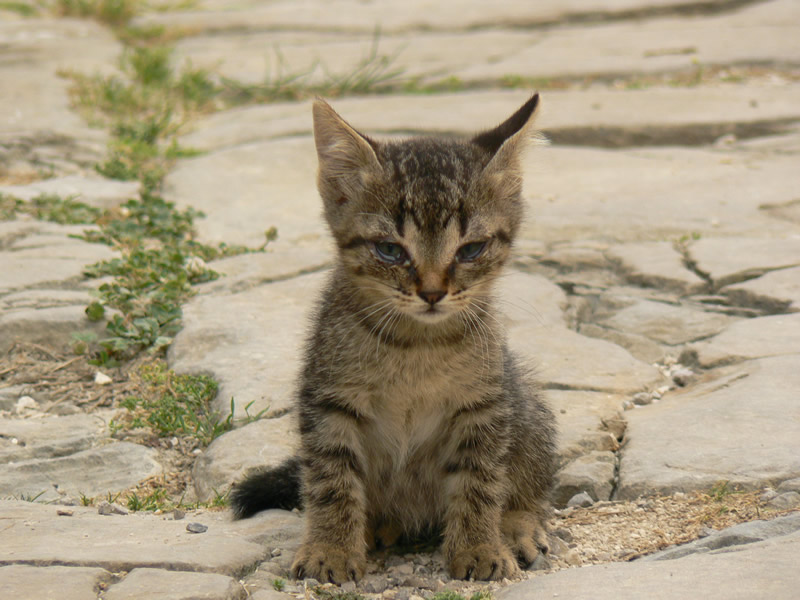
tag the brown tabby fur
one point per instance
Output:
(412, 411)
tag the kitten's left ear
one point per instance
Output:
(506, 141)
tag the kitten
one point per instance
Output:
(412, 412)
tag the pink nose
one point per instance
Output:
(432, 296)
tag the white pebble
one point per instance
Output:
(101, 378)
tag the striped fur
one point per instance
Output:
(412, 412)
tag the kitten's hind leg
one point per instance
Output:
(525, 534)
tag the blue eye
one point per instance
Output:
(390, 252)
(471, 251)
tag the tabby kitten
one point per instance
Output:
(412, 412)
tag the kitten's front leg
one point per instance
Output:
(477, 488)
(334, 549)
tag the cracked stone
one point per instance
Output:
(721, 432)
(776, 290)
(592, 473)
(667, 323)
(170, 585)
(92, 472)
(253, 353)
(266, 442)
(731, 260)
(655, 264)
(761, 337)
(36, 535)
(64, 583)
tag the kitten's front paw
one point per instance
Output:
(328, 563)
(485, 561)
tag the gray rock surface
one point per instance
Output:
(37, 536)
(92, 472)
(663, 223)
(65, 583)
(721, 574)
(732, 537)
(752, 338)
(267, 442)
(159, 584)
(738, 426)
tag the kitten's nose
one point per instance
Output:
(432, 296)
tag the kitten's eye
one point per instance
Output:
(390, 252)
(471, 251)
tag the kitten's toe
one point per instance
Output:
(328, 563)
(485, 562)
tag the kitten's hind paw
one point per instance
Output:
(485, 561)
(328, 563)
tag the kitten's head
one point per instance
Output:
(423, 225)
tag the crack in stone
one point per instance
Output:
(688, 9)
(699, 134)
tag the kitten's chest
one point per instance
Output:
(413, 398)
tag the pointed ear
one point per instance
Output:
(347, 160)
(505, 143)
(340, 148)
(512, 129)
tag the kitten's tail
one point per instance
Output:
(265, 488)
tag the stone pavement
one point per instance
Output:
(656, 285)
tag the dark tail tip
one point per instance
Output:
(264, 488)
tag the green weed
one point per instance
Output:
(451, 595)
(158, 499)
(278, 584)
(21, 8)
(49, 207)
(111, 12)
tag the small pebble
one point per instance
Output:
(349, 586)
(63, 512)
(107, 508)
(540, 563)
(572, 558)
(196, 528)
(564, 534)
(682, 376)
(582, 499)
(25, 403)
(642, 399)
(178, 514)
(101, 378)
(785, 501)
(275, 552)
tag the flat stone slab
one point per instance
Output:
(266, 442)
(40, 135)
(667, 323)
(92, 472)
(739, 575)
(158, 584)
(650, 203)
(246, 190)
(777, 335)
(780, 289)
(729, 260)
(249, 341)
(603, 117)
(568, 360)
(762, 33)
(64, 583)
(216, 15)
(716, 431)
(738, 535)
(33, 534)
(48, 437)
(34, 253)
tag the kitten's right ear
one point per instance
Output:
(340, 148)
(346, 161)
